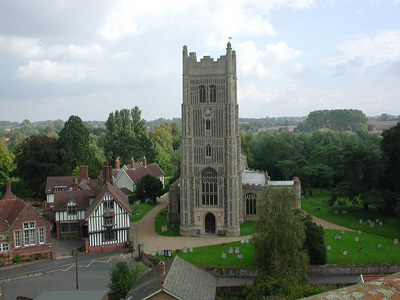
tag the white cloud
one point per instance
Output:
(372, 49)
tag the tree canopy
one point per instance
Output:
(123, 277)
(6, 163)
(148, 187)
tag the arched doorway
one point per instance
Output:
(210, 223)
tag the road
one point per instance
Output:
(93, 274)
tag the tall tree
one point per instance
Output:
(38, 157)
(148, 187)
(123, 277)
(6, 163)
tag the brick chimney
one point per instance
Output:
(75, 185)
(161, 267)
(8, 186)
(117, 164)
(106, 172)
(83, 172)
(144, 161)
(132, 163)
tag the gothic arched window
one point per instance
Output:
(209, 187)
(251, 204)
(213, 93)
(208, 124)
(202, 94)
(208, 150)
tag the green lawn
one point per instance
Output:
(161, 219)
(390, 228)
(144, 208)
(246, 228)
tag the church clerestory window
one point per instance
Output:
(209, 187)
(213, 93)
(202, 94)
(251, 204)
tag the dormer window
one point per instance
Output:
(202, 94)
(71, 208)
(60, 188)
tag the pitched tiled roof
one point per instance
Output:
(10, 208)
(383, 288)
(81, 197)
(54, 181)
(181, 279)
(137, 173)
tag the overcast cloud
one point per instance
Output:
(89, 58)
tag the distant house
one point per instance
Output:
(66, 183)
(100, 215)
(127, 176)
(23, 230)
(174, 279)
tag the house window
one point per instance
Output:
(17, 238)
(29, 234)
(202, 94)
(108, 221)
(109, 205)
(109, 236)
(213, 93)
(64, 227)
(42, 235)
(209, 187)
(3, 248)
(60, 188)
(73, 227)
(208, 150)
(71, 208)
(251, 204)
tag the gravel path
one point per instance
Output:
(144, 232)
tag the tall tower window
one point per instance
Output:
(209, 187)
(251, 204)
(208, 150)
(213, 93)
(208, 124)
(202, 94)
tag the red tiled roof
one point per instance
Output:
(54, 181)
(137, 173)
(81, 197)
(10, 208)
(372, 277)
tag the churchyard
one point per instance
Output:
(139, 211)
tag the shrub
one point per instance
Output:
(16, 259)
(31, 258)
(315, 243)
(38, 256)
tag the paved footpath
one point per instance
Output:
(145, 233)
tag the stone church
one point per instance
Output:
(216, 190)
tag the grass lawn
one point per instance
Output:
(247, 228)
(390, 228)
(211, 255)
(389, 253)
(161, 219)
(144, 208)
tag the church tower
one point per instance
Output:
(210, 186)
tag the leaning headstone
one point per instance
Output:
(359, 232)
(395, 241)
(361, 249)
(246, 241)
(230, 250)
(160, 252)
(185, 250)
(242, 241)
(360, 222)
(328, 248)
(190, 250)
(343, 232)
(153, 253)
(379, 246)
(223, 256)
(336, 212)
(240, 256)
(339, 237)
(356, 239)
(237, 250)
(380, 223)
(344, 253)
(164, 228)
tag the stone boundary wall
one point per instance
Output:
(324, 270)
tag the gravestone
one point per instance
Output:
(359, 232)
(242, 241)
(380, 223)
(372, 224)
(339, 237)
(223, 256)
(345, 253)
(185, 250)
(237, 250)
(230, 250)
(356, 239)
(164, 228)
(343, 232)
(344, 212)
(361, 249)
(368, 221)
(360, 222)
(377, 220)
(240, 256)
(379, 246)
(246, 241)
(395, 241)
(153, 253)
(328, 248)
(336, 212)
(160, 252)
(336, 237)
(190, 250)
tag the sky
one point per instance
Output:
(89, 58)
